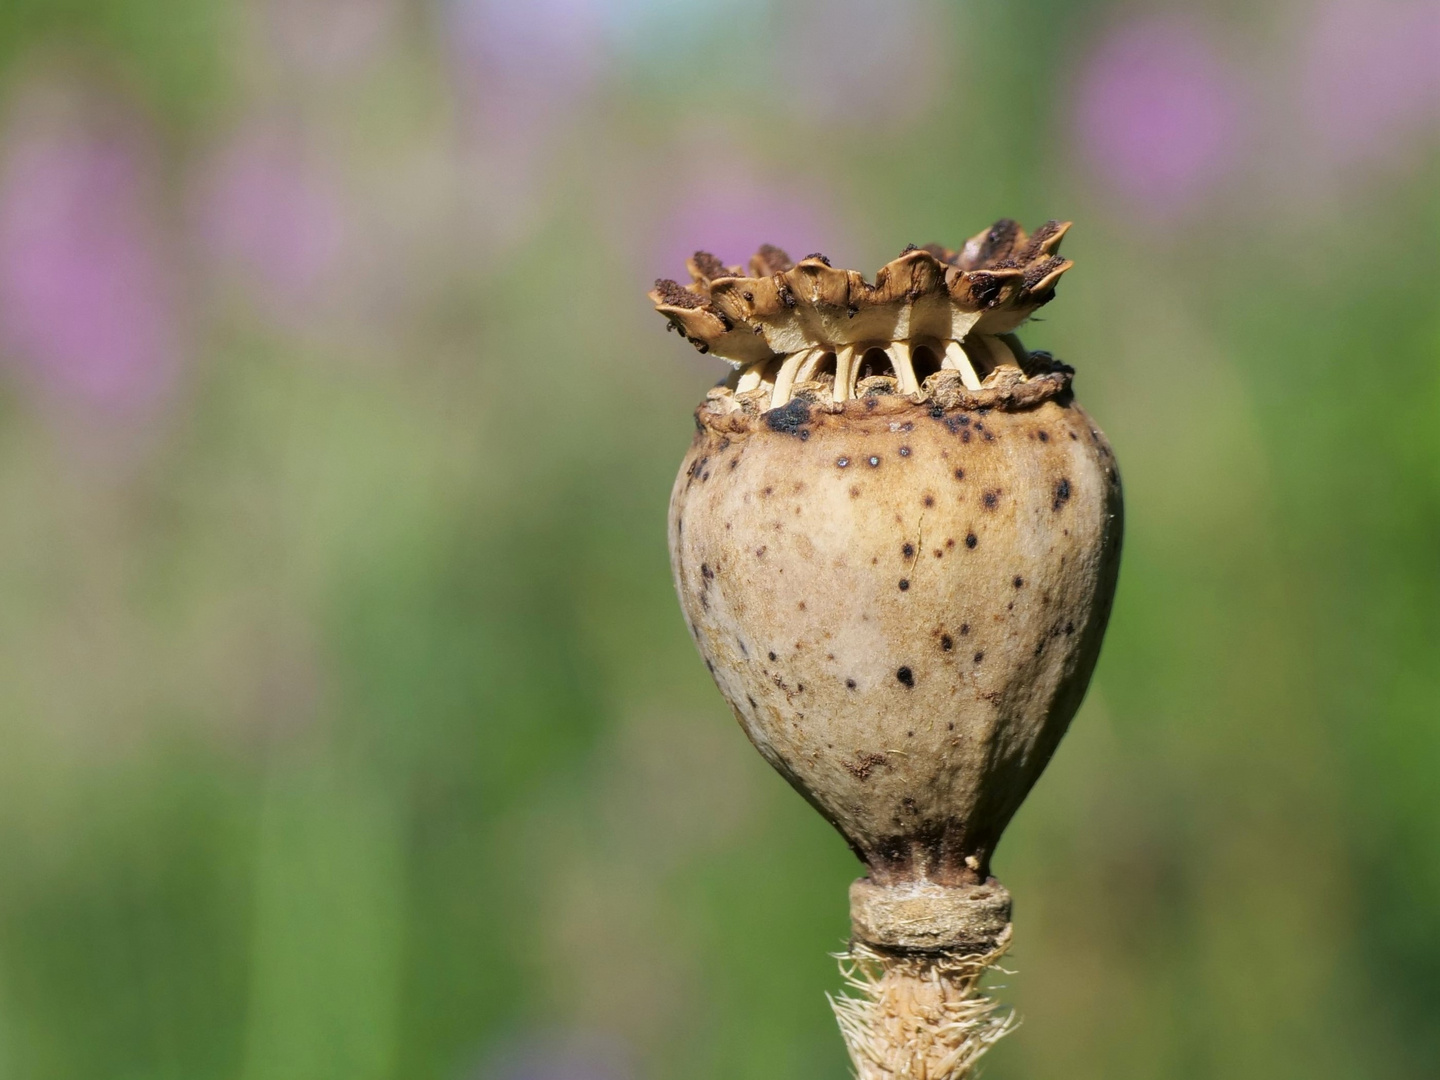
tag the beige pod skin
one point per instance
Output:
(900, 582)
(903, 605)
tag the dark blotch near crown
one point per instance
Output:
(789, 419)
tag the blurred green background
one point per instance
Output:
(350, 728)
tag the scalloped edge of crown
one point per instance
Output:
(989, 286)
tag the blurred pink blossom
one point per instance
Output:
(525, 76)
(522, 65)
(1157, 114)
(86, 298)
(274, 217)
(522, 74)
(857, 60)
(1371, 75)
(730, 213)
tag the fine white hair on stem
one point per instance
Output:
(914, 1016)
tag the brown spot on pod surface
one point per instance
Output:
(1062, 494)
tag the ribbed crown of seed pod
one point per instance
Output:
(990, 286)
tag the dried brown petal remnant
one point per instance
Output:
(896, 537)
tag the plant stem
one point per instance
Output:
(918, 1016)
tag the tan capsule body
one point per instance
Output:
(903, 604)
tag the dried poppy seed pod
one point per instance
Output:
(895, 539)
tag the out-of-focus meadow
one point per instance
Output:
(350, 728)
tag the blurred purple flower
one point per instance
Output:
(1371, 74)
(267, 212)
(524, 75)
(732, 214)
(565, 1055)
(520, 73)
(85, 295)
(1157, 114)
(848, 60)
(519, 65)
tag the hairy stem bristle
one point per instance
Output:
(918, 1016)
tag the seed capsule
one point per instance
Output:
(896, 538)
